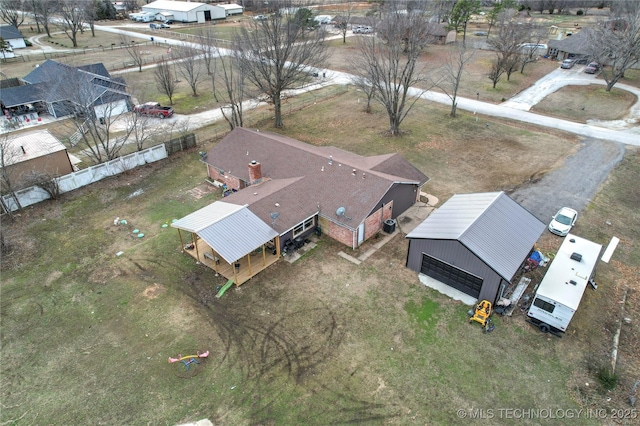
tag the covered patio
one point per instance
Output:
(229, 239)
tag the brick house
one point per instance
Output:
(297, 189)
(346, 195)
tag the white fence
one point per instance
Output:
(75, 180)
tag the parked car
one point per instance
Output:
(592, 68)
(154, 26)
(568, 63)
(563, 221)
(260, 18)
(481, 33)
(363, 30)
(154, 109)
(163, 25)
(169, 21)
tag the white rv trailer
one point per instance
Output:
(562, 287)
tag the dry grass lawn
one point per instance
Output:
(321, 341)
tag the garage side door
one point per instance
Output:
(450, 275)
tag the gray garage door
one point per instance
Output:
(450, 275)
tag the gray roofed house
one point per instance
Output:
(474, 243)
(574, 46)
(58, 89)
(13, 37)
(297, 189)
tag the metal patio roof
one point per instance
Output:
(231, 230)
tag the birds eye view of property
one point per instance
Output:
(302, 212)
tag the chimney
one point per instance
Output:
(255, 172)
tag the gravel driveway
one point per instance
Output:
(575, 183)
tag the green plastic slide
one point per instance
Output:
(224, 288)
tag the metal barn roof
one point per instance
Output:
(178, 6)
(492, 225)
(231, 230)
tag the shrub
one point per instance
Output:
(580, 13)
(607, 378)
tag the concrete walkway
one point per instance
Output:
(405, 223)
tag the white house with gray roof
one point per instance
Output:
(474, 243)
(14, 38)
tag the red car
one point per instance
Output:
(592, 68)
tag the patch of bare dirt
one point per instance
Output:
(153, 291)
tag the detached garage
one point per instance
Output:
(474, 243)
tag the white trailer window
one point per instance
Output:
(545, 306)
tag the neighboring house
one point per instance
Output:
(231, 9)
(36, 152)
(183, 11)
(474, 243)
(574, 46)
(14, 38)
(59, 90)
(296, 189)
(440, 34)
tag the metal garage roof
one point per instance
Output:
(231, 230)
(493, 226)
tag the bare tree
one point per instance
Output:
(44, 180)
(344, 19)
(457, 59)
(11, 12)
(9, 155)
(615, 43)
(389, 60)
(90, 12)
(497, 69)
(507, 44)
(95, 109)
(233, 93)
(206, 39)
(165, 79)
(531, 50)
(134, 51)
(142, 129)
(190, 66)
(362, 83)
(42, 11)
(72, 18)
(277, 54)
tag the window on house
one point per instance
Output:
(545, 306)
(304, 226)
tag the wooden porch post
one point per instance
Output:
(277, 241)
(249, 263)
(194, 237)
(181, 243)
(264, 256)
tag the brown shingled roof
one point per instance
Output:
(298, 177)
